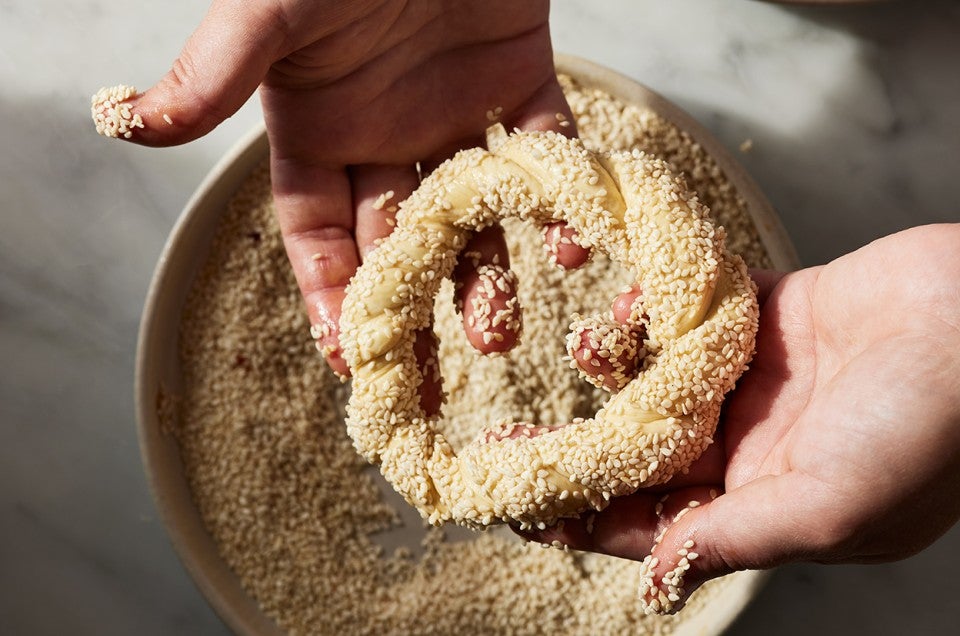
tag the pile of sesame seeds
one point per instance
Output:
(298, 515)
(112, 114)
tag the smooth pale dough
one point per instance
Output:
(700, 301)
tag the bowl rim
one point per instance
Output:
(165, 477)
(176, 264)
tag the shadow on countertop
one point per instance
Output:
(875, 153)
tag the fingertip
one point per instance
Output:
(491, 317)
(167, 114)
(573, 533)
(219, 68)
(114, 111)
(563, 247)
(144, 118)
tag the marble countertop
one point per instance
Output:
(852, 113)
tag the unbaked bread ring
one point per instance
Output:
(700, 301)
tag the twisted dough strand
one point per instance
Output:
(700, 301)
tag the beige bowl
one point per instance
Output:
(158, 363)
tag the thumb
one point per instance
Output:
(219, 68)
(767, 522)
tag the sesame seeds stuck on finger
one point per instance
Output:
(273, 450)
(494, 316)
(112, 115)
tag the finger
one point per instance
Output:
(766, 280)
(487, 293)
(604, 351)
(431, 388)
(607, 351)
(563, 250)
(219, 68)
(634, 530)
(315, 214)
(547, 109)
(516, 430)
(629, 527)
(760, 525)
(628, 307)
(377, 191)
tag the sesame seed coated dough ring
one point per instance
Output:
(699, 299)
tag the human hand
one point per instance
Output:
(840, 445)
(355, 94)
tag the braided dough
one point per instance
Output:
(700, 301)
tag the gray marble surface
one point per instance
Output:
(852, 116)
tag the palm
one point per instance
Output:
(424, 97)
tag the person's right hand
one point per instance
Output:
(841, 444)
(355, 94)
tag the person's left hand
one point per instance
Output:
(355, 94)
